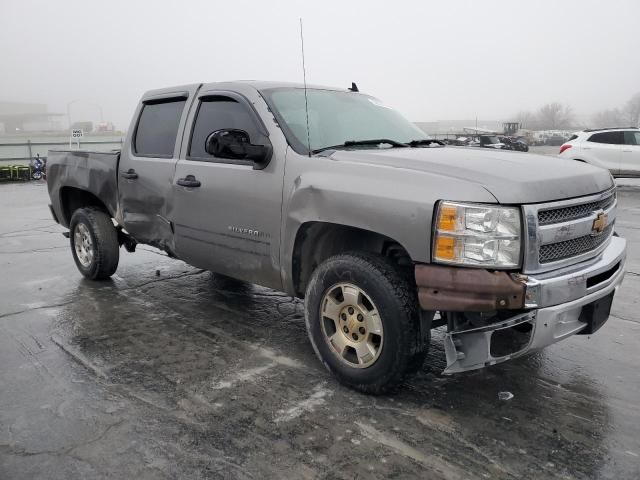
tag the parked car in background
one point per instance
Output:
(506, 141)
(518, 144)
(538, 138)
(487, 141)
(555, 140)
(616, 149)
(491, 141)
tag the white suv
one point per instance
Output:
(616, 149)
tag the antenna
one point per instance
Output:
(306, 102)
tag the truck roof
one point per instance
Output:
(259, 85)
(265, 85)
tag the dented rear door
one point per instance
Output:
(148, 163)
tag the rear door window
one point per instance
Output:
(615, 138)
(157, 128)
(632, 138)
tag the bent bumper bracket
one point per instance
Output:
(467, 289)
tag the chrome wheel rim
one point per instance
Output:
(83, 245)
(351, 325)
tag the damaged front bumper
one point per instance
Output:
(547, 307)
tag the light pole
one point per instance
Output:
(69, 113)
(100, 109)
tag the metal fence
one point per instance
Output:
(21, 151)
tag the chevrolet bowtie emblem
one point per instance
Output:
(599, 224)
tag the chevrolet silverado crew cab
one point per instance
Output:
(334, 198)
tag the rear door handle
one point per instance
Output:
(129, 174)
(628, 151)
(189, 181)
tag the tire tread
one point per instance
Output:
(408, 359)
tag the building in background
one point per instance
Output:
(19, 117)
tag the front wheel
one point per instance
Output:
(94, 243)
(362, 318)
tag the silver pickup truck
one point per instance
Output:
(333, 197)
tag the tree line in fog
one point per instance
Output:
(560, 116)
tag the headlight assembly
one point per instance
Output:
(477, 235)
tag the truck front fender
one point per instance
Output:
(392, 204)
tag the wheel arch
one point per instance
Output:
(72, 198)
(315, 241)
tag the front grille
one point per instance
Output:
(564, 214)
(576, 246)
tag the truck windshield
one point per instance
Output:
(336, 117)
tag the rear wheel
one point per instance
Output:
(94, 243)
(362, 318)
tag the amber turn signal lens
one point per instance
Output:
(447, 218)
(445, 248)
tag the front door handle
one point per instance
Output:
(188, 181)
(129, 174)
(628, 151)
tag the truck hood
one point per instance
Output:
(511, 177)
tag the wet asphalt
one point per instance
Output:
(167, 371)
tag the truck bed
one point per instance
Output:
(89, 171)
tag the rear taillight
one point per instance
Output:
(564, 147)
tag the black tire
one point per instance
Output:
(394, 296)
(104, 238)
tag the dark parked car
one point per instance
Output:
(518, 144)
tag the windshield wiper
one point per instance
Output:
(424, 142)
(357, 143)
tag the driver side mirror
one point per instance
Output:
(236, 145)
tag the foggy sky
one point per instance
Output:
(430, 59)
